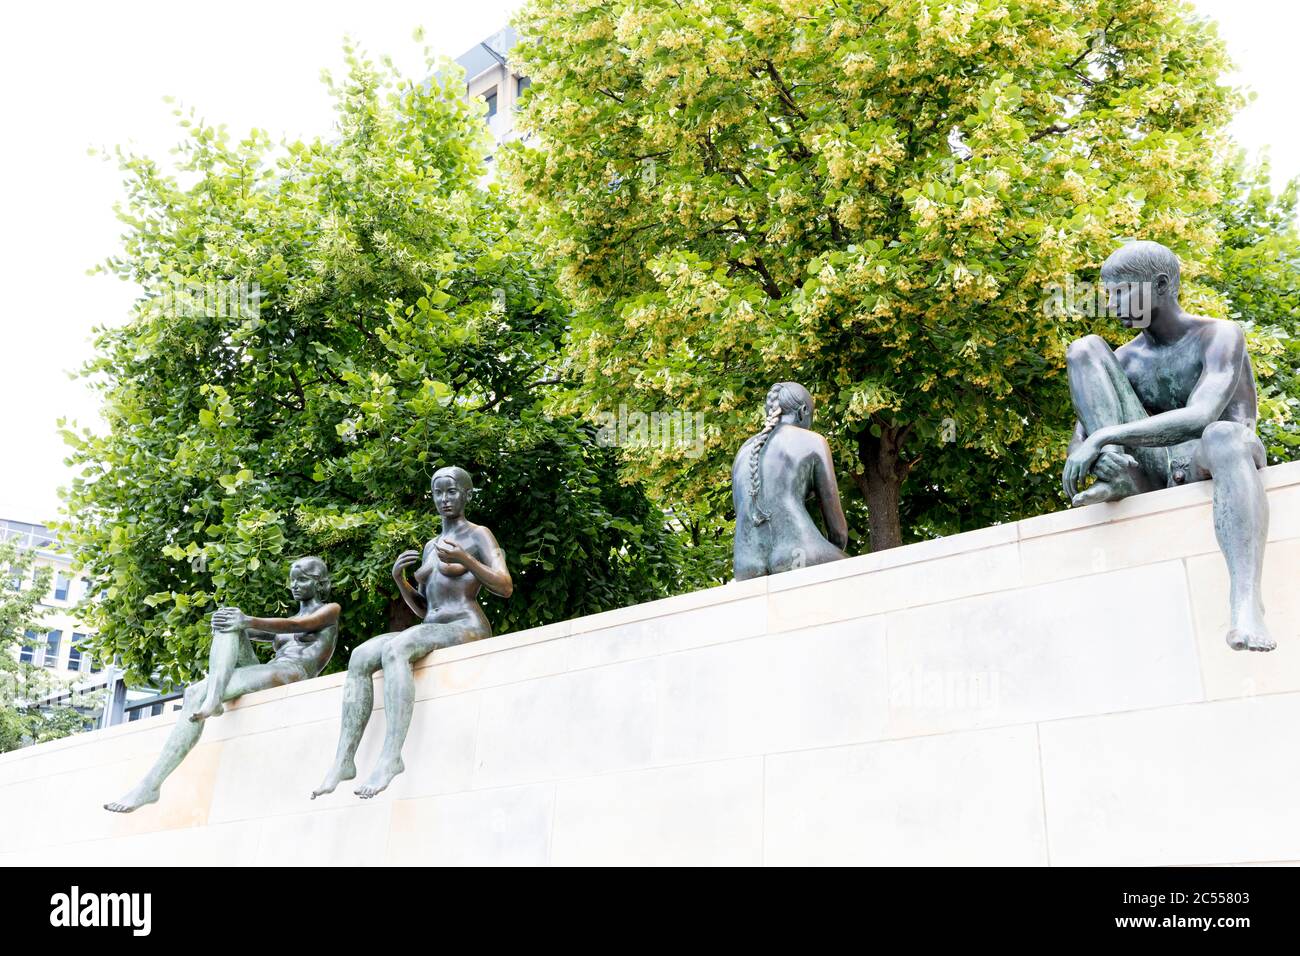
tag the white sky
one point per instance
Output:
(77, 75)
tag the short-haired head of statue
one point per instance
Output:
(315, 569)
(1142, 260)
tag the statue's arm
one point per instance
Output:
(492, 573)
(1079, 435)
(414, 600)
(828, 493)
(304, 624)
(1224, 356)
(226, 619)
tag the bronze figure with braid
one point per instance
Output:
(771, 479)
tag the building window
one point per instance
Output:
(74, 652)
(492, 103)
(52, 640)
(521, 84)
(85, 587)
(28, 652)
(135, 714)
(15, 579)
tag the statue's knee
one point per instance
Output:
(362, 665)
(396, 654)
(1085, 349)
(1222, 439)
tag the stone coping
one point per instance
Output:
(1056, 522)
(1170, 499)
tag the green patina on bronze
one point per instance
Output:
(771, 479)
(449, 574)
(303, 645)
(1176, 404)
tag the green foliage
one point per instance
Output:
(20, 683)
(1258, 275)
(403, 324)
(869, 197)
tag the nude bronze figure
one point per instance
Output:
(449, 574)
(303, 645)
(771, 479)
(1176, 404)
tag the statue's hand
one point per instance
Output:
(228, 619)
(449, 552)
(407, 559)
(1078, 465)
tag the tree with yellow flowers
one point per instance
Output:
(872, 197)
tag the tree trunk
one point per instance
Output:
(881, 484)
(400, 617)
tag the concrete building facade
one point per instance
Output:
(61, 641)
(489, 77)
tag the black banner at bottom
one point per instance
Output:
(144, 908)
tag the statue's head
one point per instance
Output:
(309, 578)
(790, 399)
(1139, 277)
(452, 490)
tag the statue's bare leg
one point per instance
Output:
(186, 731)
(1232, 455)
(1103, 396)
(185, 734)
(399, 697)
(358, 702)
(222, 659)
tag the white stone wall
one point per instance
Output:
(1056, 691)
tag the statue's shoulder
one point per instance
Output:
(1227, 336)
(483, 533)
(814, 438)
(1229, 330)
(805, 440)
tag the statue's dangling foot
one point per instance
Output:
(1122, 482)
(1098, 491)
(380, 779)
(134, 800)
(1249, 632)
(338, 773)
(209, 708)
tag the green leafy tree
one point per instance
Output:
(22, 583)
(402, 323)
(1257, 273)
(870, 197)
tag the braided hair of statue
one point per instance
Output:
(781, 398)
